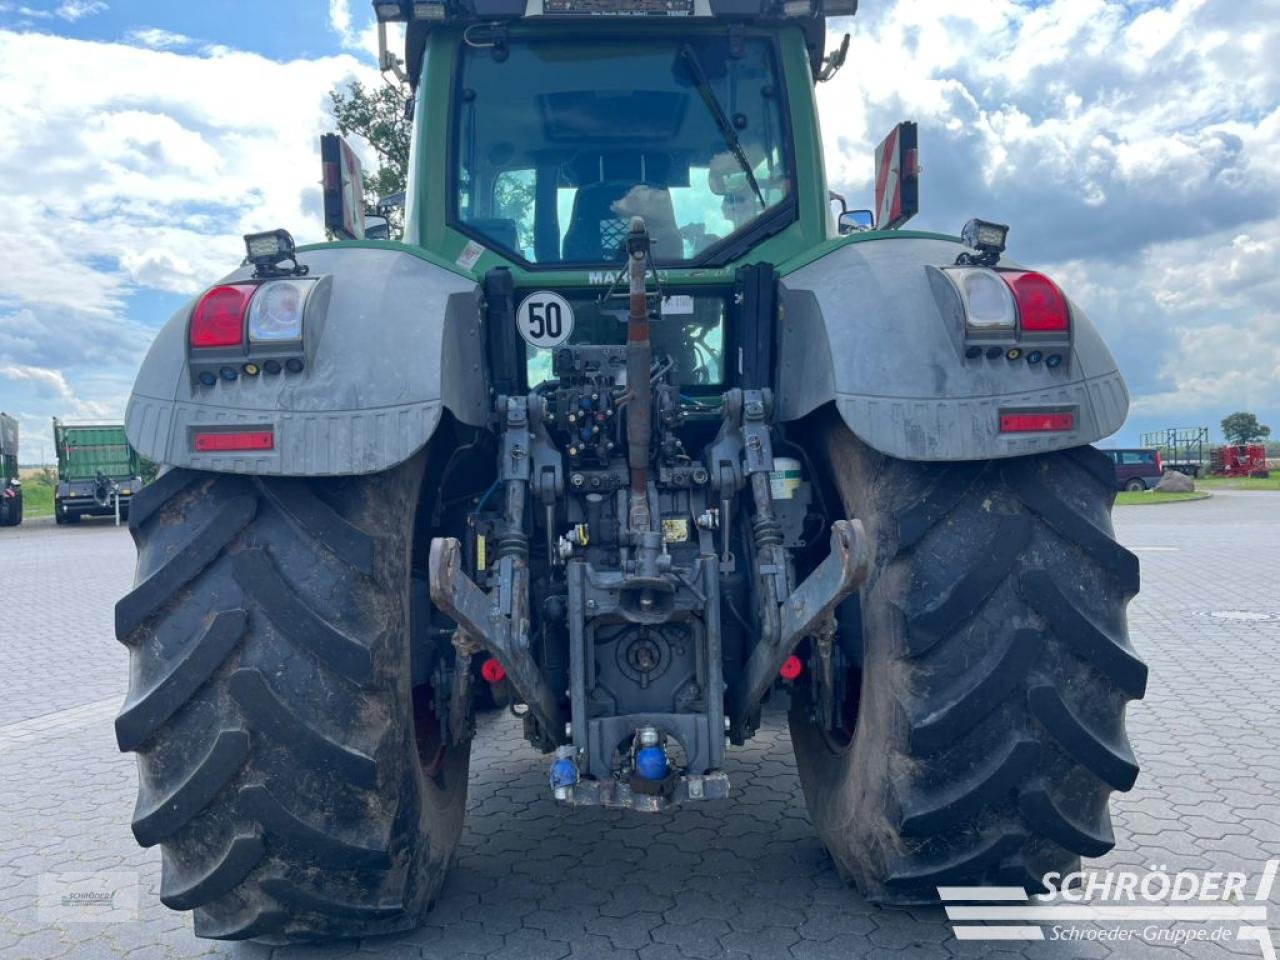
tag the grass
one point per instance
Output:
(1143, 497)
(37, 494)
(1240, 483)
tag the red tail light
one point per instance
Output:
(218, 319)
(1036, 422)
(1041, 305)
(222, 441)
(1159, 463)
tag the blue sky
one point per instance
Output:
(1133, 147)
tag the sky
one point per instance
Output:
(1133, 147)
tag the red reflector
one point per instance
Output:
(1041, 305)
(791, 668)
(492, 671)
(218, 319)
(1036, 422)
(251, 440)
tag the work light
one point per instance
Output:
(986, 237)
(266, 250)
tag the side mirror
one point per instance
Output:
(856, 221)
(343, 188)
(376, 228)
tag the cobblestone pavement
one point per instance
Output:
(743, 879)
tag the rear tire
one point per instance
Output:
(1135, 486)
(270, 705)
(996, 668)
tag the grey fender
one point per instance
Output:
(390, 339)
(868, 328)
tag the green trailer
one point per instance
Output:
(10, 484)
(98, 471)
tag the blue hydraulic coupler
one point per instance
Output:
(564, 772)
(651, 763)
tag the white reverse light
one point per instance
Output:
(988, 302)
(275, 313)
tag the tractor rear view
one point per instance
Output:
(636, 418)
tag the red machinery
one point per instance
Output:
(1239, 460)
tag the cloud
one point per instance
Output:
(1096, 126)
(340, 20)
(157, 38)
(122, 193)
(73, 10)
(47, 382)
(30, 13)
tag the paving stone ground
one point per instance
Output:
(742, 879)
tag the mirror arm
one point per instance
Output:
(388, 61)
(834, 61)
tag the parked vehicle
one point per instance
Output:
(1240, 460)
(1136, 468)
(98, 472)
(10, 482)
(1180, 448)
(662, 436)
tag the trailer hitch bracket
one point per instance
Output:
(807, 611)
(499, 622)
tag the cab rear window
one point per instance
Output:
(689, 335)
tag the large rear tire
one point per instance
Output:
(11, 511)
(989, 729)
(294, 790)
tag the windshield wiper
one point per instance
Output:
(722, 120)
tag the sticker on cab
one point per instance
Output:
(544, 319)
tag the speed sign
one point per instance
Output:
(544, 319)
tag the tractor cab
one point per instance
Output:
(561, 141)
(565, 119)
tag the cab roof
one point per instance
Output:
(420, 16)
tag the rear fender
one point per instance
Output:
(391, 339)
(865, 327)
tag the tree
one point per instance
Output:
(378, 116)
(1243, 427)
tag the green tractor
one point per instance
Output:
(638, 421)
